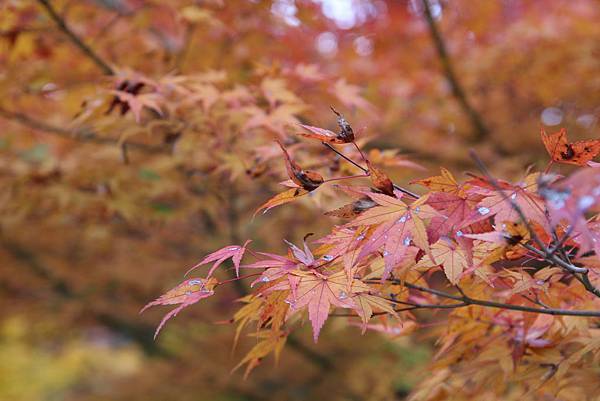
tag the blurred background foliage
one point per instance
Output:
(102, 211)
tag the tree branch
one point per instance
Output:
(139, 333)
(81, 135)
(547, 254)
(365, 170)
(468, 301)
(77, 41)
(481, 131)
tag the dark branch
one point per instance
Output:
(479, 126)
(349, 160)
(77, 41)
(81, 135)
(138, 332)
(465, 300)
(365, 170)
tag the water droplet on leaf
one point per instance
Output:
(483, 210)
(585, 202)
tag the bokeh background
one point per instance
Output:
(102, 211)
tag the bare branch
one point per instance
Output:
(481, 130)
(77, 41)
(81, 135)
(467, 301)
(349, 160)
(365, 170)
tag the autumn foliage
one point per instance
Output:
(342, 202)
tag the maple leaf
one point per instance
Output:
(561, 151)
(440, 183)
(454, 211)
(304, 256)
(350, 96)
(321, 134)
(276, 268)
(364, 304)
(340, 241)
(187, 293)
(271, 342)
(450, 256)
(280, 266)
(235, 252)
(380, 180)
(353, 209)
(318, 293)
(137, 102)
(509, 236)
(400, 225)
(280, 199)
(500, 206)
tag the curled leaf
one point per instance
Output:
(346, 134)
(353, 209)
(309, 180)
(380, 180)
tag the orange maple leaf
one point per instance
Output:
(561, 151)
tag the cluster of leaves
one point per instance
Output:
(520, 258)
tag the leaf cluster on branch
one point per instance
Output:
(509, 252)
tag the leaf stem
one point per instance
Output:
(349, 160)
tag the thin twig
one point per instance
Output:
(77, 41)
(560, 242)
(554, 259)
(406, 191)
(349, 160)
(467, 301)
(481, 130)
(347, 177)
(366, 171)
